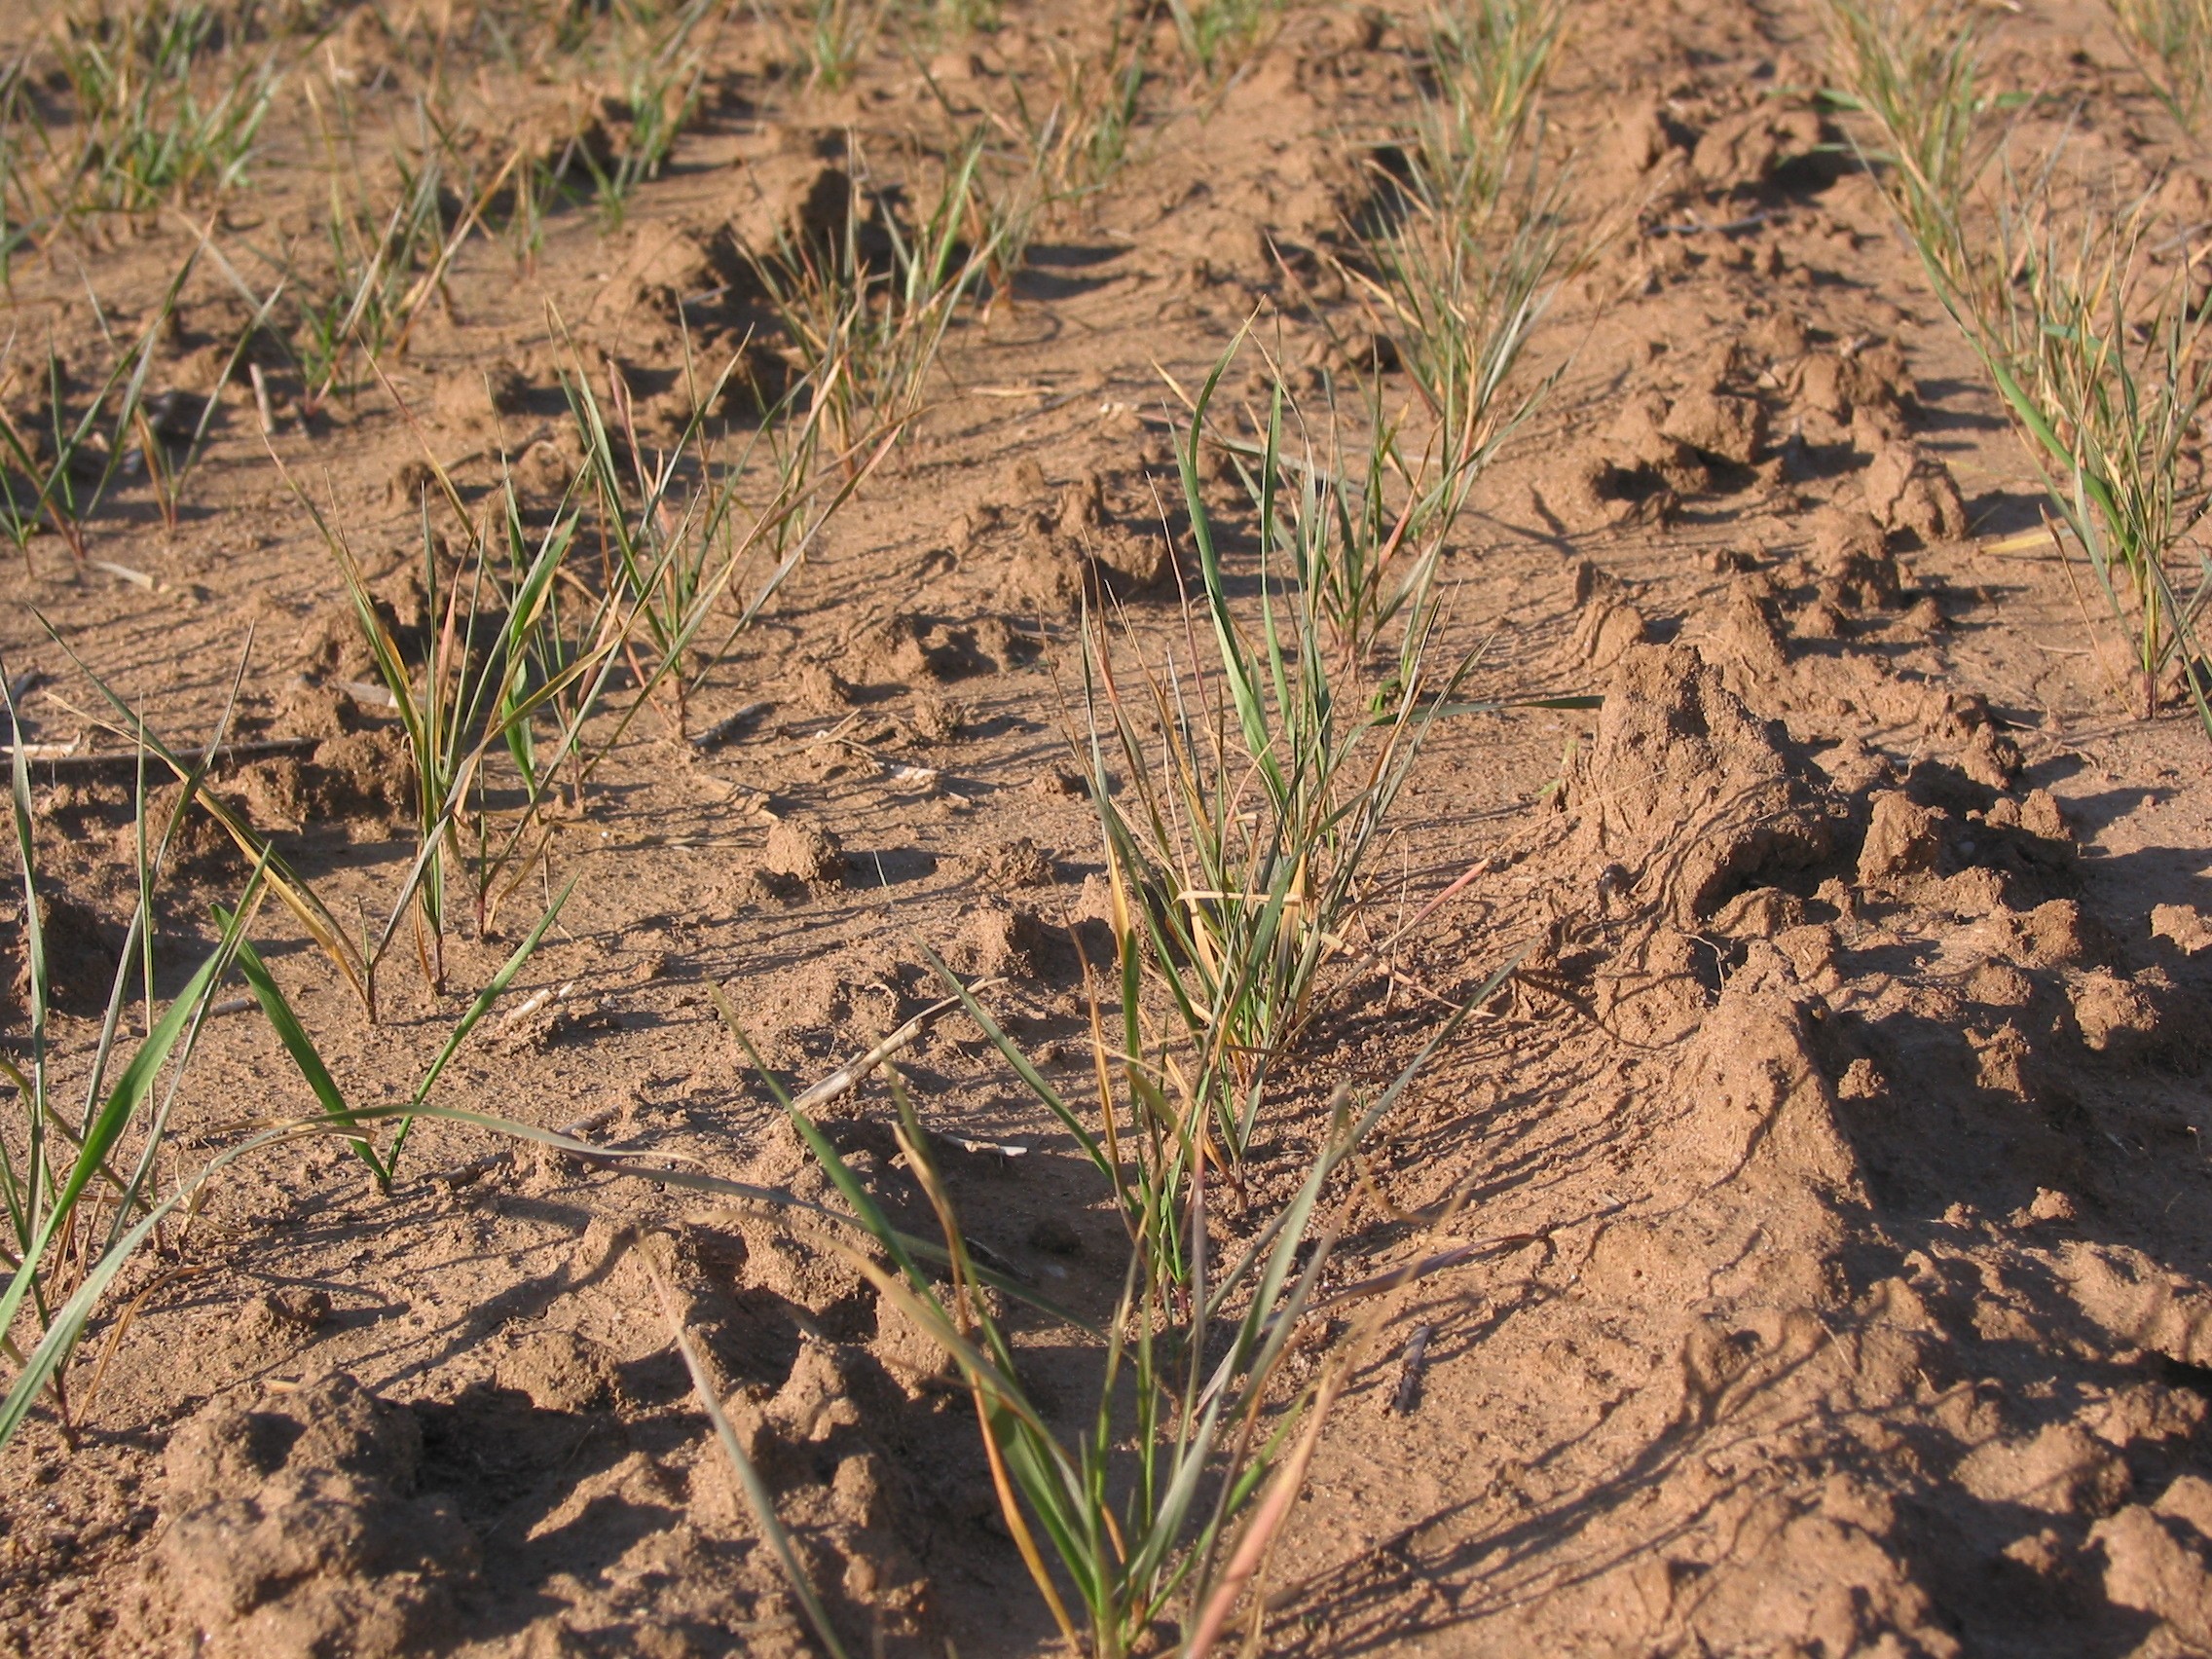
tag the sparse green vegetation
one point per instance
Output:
(83, 1191)
(1139, 1509)
(383, 266)
(2171, 40)
(831, 36)
(869, 326)
(465, 699)
(703, 520)
(1217, 36)
(2086, 328)
(1914, 69)
(61, 449)
(1252, 788)
(79, 1186)
(2098, 354)
(152, 124)
(1081, 138)
(1465, 254)
(659, 64)
(1487, 65)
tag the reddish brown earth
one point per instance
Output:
(1829, 1272)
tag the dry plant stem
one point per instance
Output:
(853, 1073)
(1260, 1534)
(839, 1083)
(461, 1175)
(2082, 606)
(108, 761)
(1410, 1369)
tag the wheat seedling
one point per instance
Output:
(79, 1190)
(1134, 1508)
(1468, 251)
(1077, 142)
(681, 531)
(383, 267)
(149, 135)
(58, 473)
(2090, 338)
(1487, 66)
(1217, 36)
(2100, 359)
(966, 16)
(523, 639)
(661, 68)
(471, 695)
(1240, 835)
(2171, 43)
(20, 206)
(833, 36)
(662, 534)
(1371, 564)
(1915, 69)
(870, 329)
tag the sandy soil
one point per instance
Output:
(1828, 1275)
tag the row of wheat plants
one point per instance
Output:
(2071, 298)
(1166, 1496)
(1245, 784)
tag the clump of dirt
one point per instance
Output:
(358, 777)
(1002, 939)
(803, 852)
(906, 650)
(1852, 560)
(198, 845)
(1017, 862)
(1693, 797)
(83, 948)
(1608, 623)
(295, 1527)
(558, 1371)
(1907, 490)
(845, 1001)
(474, 401)
(812, 1384)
